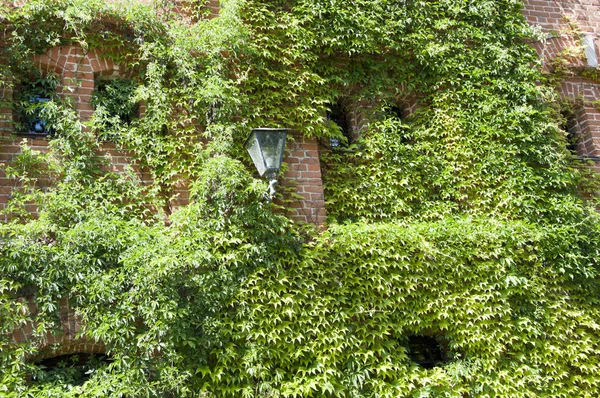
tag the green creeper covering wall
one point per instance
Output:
(462, 222)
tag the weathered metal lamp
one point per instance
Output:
(265, 147)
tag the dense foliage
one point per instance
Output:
(462, 222)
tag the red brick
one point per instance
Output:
(95, 64)
(310, 174)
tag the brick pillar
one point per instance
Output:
(6, 94)
(304, 173)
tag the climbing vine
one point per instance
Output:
(460, 223)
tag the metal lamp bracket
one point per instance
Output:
(272, 183)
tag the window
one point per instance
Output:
(32, 111)
(337, 116)
(395, 111)
(570, 126)
(114, 101)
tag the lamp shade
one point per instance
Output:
(266, 147)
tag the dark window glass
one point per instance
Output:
(35, 123)
(396, 111)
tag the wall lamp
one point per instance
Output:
(266, 147)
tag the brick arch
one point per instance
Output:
(64, 341)
(52, 61)
(77, 69)
(409, 100)
(101, 66)
(70, 62)
(74, 61)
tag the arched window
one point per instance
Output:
(113, 99)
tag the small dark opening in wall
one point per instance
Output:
(337, 114)
(426, 351)
(396, 111)
(569, 125)
(75, 369)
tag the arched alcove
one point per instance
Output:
(74, 369)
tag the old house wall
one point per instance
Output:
(563, 23)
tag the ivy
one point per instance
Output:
(463, 221)
(339, 318)
(113, 99)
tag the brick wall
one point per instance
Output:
(304, 175)
(554, 15)
(572, 36)
(563, 22)
(78, 70)
(8, 149)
